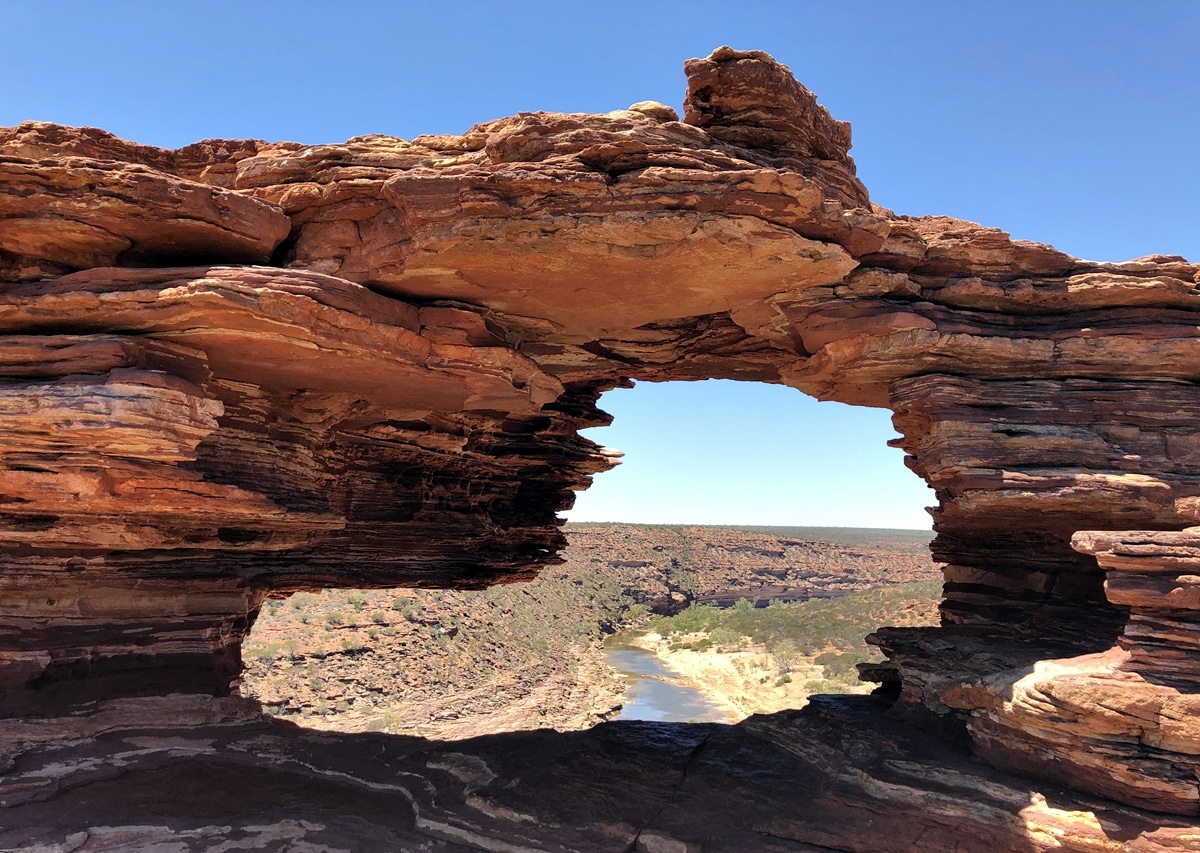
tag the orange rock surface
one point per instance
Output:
(243, 367)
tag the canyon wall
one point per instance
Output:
(241, 369)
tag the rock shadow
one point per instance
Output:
(837, 775)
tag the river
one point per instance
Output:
(653, 692)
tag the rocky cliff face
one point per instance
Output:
(241, 368)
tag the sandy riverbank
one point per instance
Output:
(744, 682)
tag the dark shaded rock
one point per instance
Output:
(838, 776)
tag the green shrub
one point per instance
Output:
(840, 665)
(785, 653)
(636, 611)
(724, 637)
(696, 617)
(263, 652)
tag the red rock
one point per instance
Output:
(838, 775)
(749, 100)
(77, 213)
(1125, 723)
(397, 399)
(210, 161)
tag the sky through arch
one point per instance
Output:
(748, 453)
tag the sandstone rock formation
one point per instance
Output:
(244, 368)
(1125, 722)
(795, 782)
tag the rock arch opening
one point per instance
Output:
(396, 397)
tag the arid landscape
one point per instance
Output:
(455, 664)
(239, 372)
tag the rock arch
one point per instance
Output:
(241, 367)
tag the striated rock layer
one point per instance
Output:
(834, 776)
(242, 369)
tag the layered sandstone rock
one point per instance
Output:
(1126, 722)
(242, 368)
(67, 212)
(835, 776)
(252, 429)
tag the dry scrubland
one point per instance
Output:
(454, 664)
(758, 660)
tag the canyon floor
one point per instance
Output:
(453, 664)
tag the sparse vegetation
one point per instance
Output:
(809, 627)
(826, 633)
(415, 659)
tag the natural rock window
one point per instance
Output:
(241, 368)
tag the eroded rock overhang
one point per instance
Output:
(241, 368)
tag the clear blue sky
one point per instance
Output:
(1073, 122)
